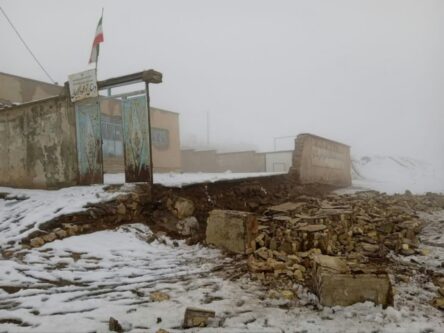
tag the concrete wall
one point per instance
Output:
(278, 161)
(38, 144)
(243, 161)
(320, 160)
(211, 161)
(199, 161)
(16, 89)
(165, 143)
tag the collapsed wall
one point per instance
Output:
(320, 160)
(38, 144)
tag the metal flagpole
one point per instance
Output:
(98, 49)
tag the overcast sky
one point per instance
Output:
(368, 73)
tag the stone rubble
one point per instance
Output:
(195, 317)
(354, 232)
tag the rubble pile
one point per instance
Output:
(355, 232)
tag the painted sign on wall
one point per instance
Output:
(136, 139)
(83, 85)
(89, 142)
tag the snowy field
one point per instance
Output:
(76, 284)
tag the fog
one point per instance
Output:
(367, 73)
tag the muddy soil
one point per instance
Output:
(252, 195)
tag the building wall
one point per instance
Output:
(199, 161)
(244, 161)
(211, 161)
(165, 140)
(320, 160)
(278, 161)
(38, 145)
(16, 89)
(164, 133)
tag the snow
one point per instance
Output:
(393, 174)
(77, 283)
(175, 179)
(24, 210)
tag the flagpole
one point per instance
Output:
(98, 51)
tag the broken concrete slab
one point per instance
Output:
(286, 208)
(195, 317)
(336, 284)
(231, 230)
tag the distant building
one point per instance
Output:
(17, 90)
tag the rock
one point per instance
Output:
(195, 317)
(288, 294)
(36, 242)
(71, 229)
(335, 284)
(232, 230)
(114, 326)
(273, 294)
(312, 228)
(183, 208)
(60, 233)
(441, 291)
(438, 303)
(424, 251)
(188, 226)
(256, 266)
(49, 237)
(262, 253)
(287, 207)
(121, 209)
(298, 275)
(159, 296)
(161, 330)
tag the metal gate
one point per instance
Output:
(89, 142)
(136, 139)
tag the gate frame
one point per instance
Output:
(148, 76)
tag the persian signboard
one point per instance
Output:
(89, 142)
(136, 140)
(83, 85)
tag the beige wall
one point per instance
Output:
(243, 161)
(199, 161)
(166, 158)
(15, 89)
(211, 161)
(38, 145)
(320, 160)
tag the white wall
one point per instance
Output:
(278, 161)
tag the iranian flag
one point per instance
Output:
(98, 38)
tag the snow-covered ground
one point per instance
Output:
(175, 179)
(24, 210)
(396, 175)
(76, 284)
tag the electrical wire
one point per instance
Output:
(26, 45)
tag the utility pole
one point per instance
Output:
(208, 128)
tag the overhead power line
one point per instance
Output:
(26, 45)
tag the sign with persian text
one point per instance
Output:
(83, 85)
